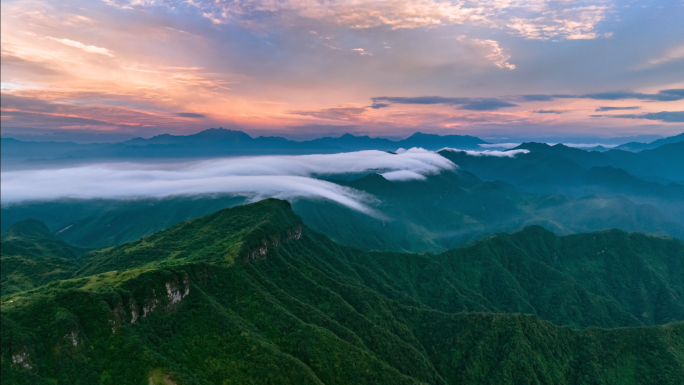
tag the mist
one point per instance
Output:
(499, 154)
(283, 177)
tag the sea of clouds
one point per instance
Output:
(498, 154)
(284, 177)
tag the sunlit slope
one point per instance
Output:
(250, 295)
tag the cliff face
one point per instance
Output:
(270, 241)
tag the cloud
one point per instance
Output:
(499, 145)
(86, 48)
(493, 52)
(585, 145)
(537, 98)
(285, 177)
(490, 50)
(571, 20)
(671, 55)
(476, 104)
(548, 112)
(403, 175)
(529, 19)
(36, 112)
(662, 96)
(189, 115)
(601, 109)
(663, 116)
(361, 52)
(498, 154)
(486, 104)
(379, 105)
(335, 113)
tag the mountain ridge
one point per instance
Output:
(312, 311)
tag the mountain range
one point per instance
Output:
(250, 294)
(212, 143)
(443, 211)
(219, 142)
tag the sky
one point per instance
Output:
(116, 69)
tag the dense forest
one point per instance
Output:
(250, 294)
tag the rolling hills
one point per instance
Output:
(250, 294)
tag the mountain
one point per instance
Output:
(101, 222)
(443, 211)
(214, 142)
(436, 142)
(547, 171)
(251, 295)
(351, 142)
(32, 238)
(13, 150)
(31, 256)
(659, 164)
(456, 207)
(637, 146)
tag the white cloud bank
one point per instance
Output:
(585, 145)
(284, 177)
(499, 145)
(498, 154)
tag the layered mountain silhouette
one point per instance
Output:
(217, 142)
(637, 146)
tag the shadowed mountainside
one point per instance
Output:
(31, 256)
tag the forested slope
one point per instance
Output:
(250, 295)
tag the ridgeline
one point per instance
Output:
(251, 295)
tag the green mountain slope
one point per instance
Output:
(444, 211)
(31, 256)
(661, 163)
(250, 295)
(97, 223)
(552, 173)
(453, 208)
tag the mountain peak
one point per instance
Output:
(240, 233)
(29, 228)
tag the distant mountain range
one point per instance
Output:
(219, 142)
(216, 142)
(637, 146)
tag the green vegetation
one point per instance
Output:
(445, 211)
(249, 295)
(577, 173)
(30, 257)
